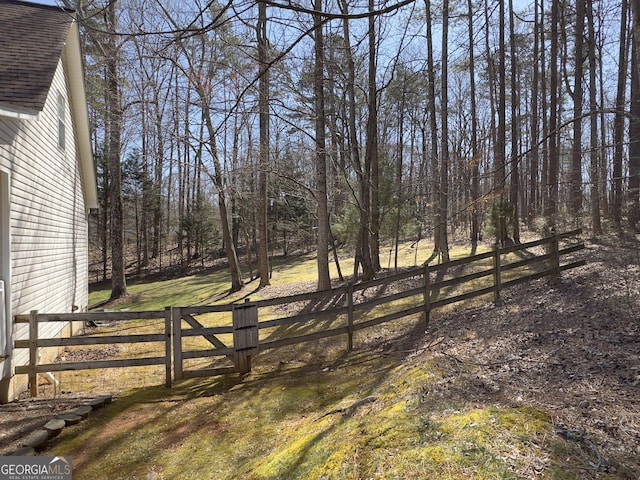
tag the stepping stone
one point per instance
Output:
(55, 426)
(24, 452)
(36, 439)
(97, 403)
(83, 411)
(107, 398)
(70, 418)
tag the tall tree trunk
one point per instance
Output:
(337, 135)
(115, 114)
(500, 178)
(603, 164)
(594, 148)
(533, 207)
(363, 253)
(491, 77)
(515, 158)
(433, 127)
(324, 280)
(544, 98)
(104, 214)
(554, 160)
(633, 193)
(398, 181)
(575, 172)
(443, 201)
(618, 128)
(143, 228)
(234, 267)
(371, 152)
(236, 179)
(157, 179)
(182, 164)
(475, 161)
(263, 251)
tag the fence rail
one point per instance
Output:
(425, 288)
(34, 343)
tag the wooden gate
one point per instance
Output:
(235, 339)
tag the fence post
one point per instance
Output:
(350, 316)
(555, 258)
(177, 343)
(427, 294)
(167, 345)
(497, 277)
(245, 335)
(33, 353)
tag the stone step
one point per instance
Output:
(70, 418)
(36, 440)
(24, 452)
(83, 411)
(55, 426)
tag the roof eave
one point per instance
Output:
(18, 113)
(73, 57)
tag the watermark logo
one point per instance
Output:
(35, 468)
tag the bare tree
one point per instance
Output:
(372, 161)
(515, 137)
(263, 252)
(594, 148)
(618, 128)
(433, 146)
(114, 118)
(633, 194)
(475, 157)
(363, 252)
(575, 171)
(442, 241)
(551, 209)
(500, 171)
(534, 128)
(322, 241)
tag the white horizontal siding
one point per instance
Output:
(21, 355)
(49, 249)
(8, 131)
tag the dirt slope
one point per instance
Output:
(572, 350)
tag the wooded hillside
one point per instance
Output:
(249, 129)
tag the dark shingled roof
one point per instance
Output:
(32, 37)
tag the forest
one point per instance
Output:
(244, 130)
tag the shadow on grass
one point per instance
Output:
(143, 425)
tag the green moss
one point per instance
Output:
(283, 426)
(559, 473)
(525, 422)
(291, 418)
(289, 459)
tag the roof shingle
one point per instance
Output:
(32, 37)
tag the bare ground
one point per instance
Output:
(21, 417)
(572, 350)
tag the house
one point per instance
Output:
(47, 177)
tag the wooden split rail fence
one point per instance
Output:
(205, 332)
(34, 343)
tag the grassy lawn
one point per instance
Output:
(208, 288)
(354, 416)
(312, 411)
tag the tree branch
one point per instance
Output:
(338, 16)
